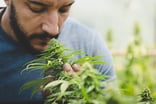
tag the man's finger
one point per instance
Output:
(67, 67)
(76, 67)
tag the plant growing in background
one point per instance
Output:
(109, 38)
(135, 73)
(83, 88)
(146, 97)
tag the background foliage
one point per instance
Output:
(135, 70)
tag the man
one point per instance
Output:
(25, 30)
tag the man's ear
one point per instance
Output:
(7, 2)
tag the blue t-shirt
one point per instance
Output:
(12, 60)
(13, 57)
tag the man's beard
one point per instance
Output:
(21, 34)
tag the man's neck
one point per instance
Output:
(5, 23)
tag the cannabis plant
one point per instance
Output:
(84, 88)
(146, 97)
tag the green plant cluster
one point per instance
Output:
(136, 74)
(146, 96)
(83, 88)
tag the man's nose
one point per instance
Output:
(50, 24)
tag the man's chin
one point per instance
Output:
(34, 51)
(38, 46)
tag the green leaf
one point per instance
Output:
(98, 62)
(84, 94)
(35, 83)
(53, 84)
(64, 87)
(31, 84)
(90, 89)
(35, 90)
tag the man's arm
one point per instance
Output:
(100, 49)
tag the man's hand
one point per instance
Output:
(71, 69)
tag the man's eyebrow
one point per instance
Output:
(42, 4)
(69, 4)
(38, 3)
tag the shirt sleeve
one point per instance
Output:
(99, 48)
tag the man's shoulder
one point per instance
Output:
(74, 25)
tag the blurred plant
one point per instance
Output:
(135, 74)
(109, 38)
(146, 96)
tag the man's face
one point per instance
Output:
(35, 22)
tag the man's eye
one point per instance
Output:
(36, 8)
(64, 10)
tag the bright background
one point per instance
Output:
(119, 16)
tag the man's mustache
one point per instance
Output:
(42, 36)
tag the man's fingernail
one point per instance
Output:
(67, 67)
(76, 67)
